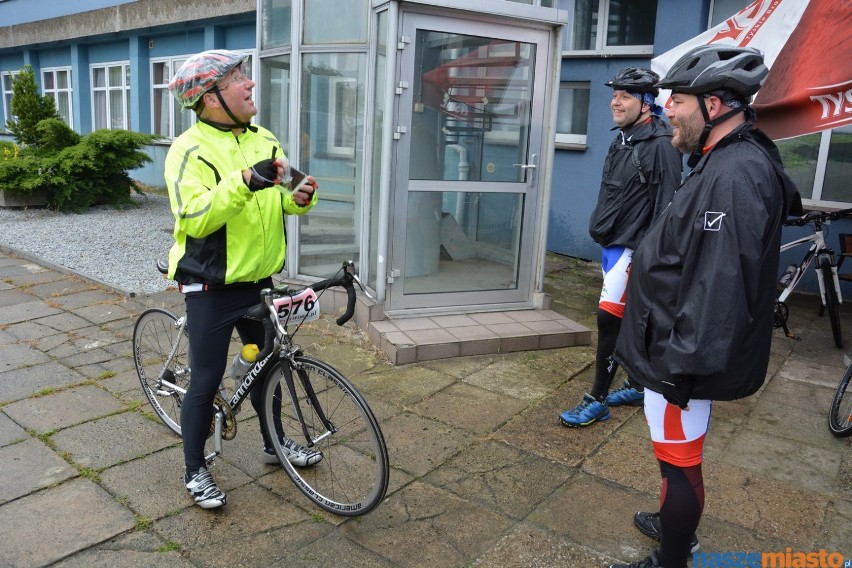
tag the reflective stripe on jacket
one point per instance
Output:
(224, 233)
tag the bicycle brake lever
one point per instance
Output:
(360, 285)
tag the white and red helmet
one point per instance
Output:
(200, 72)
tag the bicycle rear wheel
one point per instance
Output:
(352, 477)
(832, 304)
(164, 379)
(840, 413)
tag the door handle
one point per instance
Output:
(532, 168)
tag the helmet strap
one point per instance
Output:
(708, 126)
(237, 123)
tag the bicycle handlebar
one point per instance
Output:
(820, 216)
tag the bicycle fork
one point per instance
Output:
(312, 401)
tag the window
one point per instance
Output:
(332, 21)
(170, 120)
(7, 79)
(724, 9)
(821, 165)
(343, 116)
(56, 82)
(611, 27)
(111, 96)
(572, 114)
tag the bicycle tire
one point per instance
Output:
(154, 336)
(832, 304)
(352, 477)
(840, 413)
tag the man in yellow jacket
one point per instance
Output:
(223, 178)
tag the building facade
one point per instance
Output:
(456, 141)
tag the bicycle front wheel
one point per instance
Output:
(840, 413)
(832, 304)
(351, 479)
(161, 353)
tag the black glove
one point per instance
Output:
(263, 174)
(677, 390)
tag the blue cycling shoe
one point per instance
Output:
(625, 395)
(585, 413)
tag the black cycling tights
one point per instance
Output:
(212, 317)
(681, 505)
(605, 367)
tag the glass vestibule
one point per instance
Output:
(467, 164)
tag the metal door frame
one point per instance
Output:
(452, 22)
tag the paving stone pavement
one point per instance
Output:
(482, 473)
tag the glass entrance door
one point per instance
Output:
(470, 121)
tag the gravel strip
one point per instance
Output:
(115, 246)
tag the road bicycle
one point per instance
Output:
(825, 267)
(840, 413)
(317, 406)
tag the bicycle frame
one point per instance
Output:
(816, 249)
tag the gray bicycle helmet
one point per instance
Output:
(716, 67)
(635, 80)
(200, 72)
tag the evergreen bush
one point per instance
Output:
(73, 171)
(28, 107)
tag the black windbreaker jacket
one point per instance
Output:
(702, 282)
(633, 194)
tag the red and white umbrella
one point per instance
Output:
(806, 45)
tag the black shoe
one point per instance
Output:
(650, 562)
(649, 525)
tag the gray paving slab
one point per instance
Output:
(19, 356)
(29, 466)
(10, 432)
(66, 321)
(21, 383)
(11, 295)
(103, 313)
(35, 332)
(57, 522)
(104, 442)
(57, 288)
(500, 477)
(62, 409)
(26, 311)
(152, 485)
(138, 549)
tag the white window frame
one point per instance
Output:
(172, 66)
(7, 100)
(601, 48)
(124, 88)
(339, 88)
(816, 201)
(56, 90)
(249, 70)
(570, 141)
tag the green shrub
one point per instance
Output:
(76, 171)
(73, 171)
(28, 107)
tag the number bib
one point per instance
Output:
(304, 306)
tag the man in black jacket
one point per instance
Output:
(640, 175)
(698, 326)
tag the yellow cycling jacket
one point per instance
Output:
(224, 233)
